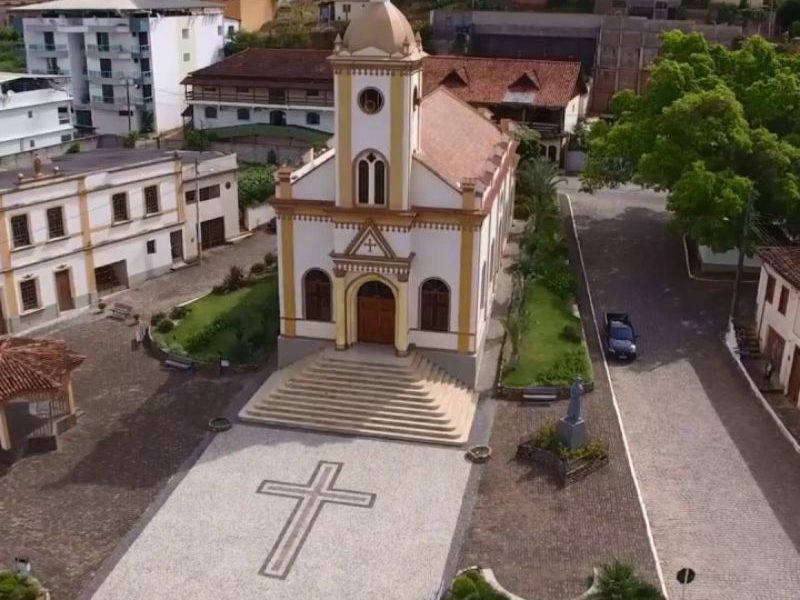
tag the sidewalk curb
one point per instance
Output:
(730, 344)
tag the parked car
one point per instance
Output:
(620, 336)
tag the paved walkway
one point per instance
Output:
(67, 510)
(540, 540)
(240, 526)
(720, 483)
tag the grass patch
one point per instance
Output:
(302, 134)
(241, 326)
(546, 355)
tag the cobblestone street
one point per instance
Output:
(720, 482)
(68, 509)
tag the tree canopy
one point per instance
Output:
(714, 127)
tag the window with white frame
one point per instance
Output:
(371, 179)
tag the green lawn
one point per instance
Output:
(251, 310)
(302, 134)
(543, 345)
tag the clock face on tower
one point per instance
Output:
(370, 100)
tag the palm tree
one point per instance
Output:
(617, 581)
(471, 585)
(537, 184)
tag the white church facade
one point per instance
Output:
(394, 234)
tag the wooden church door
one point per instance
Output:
(375, 313)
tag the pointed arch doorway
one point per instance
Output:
(376, 313)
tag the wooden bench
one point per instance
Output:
(540, 394)
(121, 311)
(180, 363)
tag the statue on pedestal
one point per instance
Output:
(37, 165)
(572, 428)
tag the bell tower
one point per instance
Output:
(377, 70)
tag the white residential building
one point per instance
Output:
(34, 112)
(96, 222)
(340, 11)
(125, 58)
(778, 314)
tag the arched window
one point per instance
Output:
(317, 292)
(434, 306)
(312, 118)
(371, 179)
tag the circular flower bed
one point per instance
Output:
(479, 454)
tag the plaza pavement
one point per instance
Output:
(721, 485)
(67, 510)
(212, 537)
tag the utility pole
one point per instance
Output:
(128, 100)
(197, 206)
(742, 250)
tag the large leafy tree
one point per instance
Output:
(715, 128)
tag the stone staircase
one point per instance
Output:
(367, 391)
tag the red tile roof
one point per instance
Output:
(457, 142)
(785, 260)
(30, 366)
(488, 80)
(474, 80)
(270, 64)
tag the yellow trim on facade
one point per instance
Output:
(287, 277)
(5, 245)
(339, 312)
(86, 232)
(465, 289)
(11, 308)
(344, 135)
(397, 130)
(401, 335)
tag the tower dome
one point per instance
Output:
(380, 25)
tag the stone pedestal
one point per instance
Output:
(572, 433)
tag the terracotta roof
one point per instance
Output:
(28, 366)
(457, 142)
(488, 80)
(271, 63)
(785, 260)
(474, 80)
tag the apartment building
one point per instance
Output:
(124, 58)
(252, 15)
(339, 11)
(34, 112)
(89, 224)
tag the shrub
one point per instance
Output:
(257, 268)
(165, 326)
(565, 368)
(18, 587)
(233, 280)
(157, 318)
(618, 581)
(269, 259)
(131, 139)
(240, 352)
(178, 312)
(74, 148)
(572, 333)
(198, 341)
(546, 438)
(471, 585)
(218, 290)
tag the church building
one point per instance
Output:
(394, 234)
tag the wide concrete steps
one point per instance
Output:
(372, 394)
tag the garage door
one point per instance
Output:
(212, 232)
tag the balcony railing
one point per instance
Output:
(107, 49)
(49, 72)
(263, 97)
(109, 75)
(47, 48)
(141, 51)
(115, 103)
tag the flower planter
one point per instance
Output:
(479, 454)
(219, 425)
(566, 472)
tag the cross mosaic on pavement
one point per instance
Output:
(267, 513)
